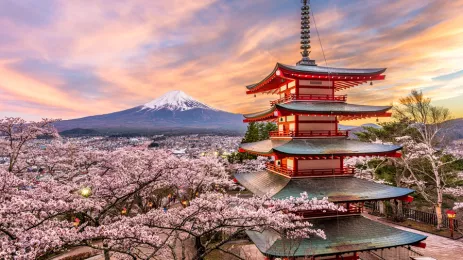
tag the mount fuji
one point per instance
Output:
(174, 111)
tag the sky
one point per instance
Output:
(69, 59)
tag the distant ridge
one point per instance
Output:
(171, 112)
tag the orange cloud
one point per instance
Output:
(213, 49)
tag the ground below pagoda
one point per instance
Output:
(438, 247)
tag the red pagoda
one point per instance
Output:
(307, 154)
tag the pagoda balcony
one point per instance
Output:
(311, 133)
(309, 172)
(310, 97)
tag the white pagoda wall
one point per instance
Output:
(307, 82)
(319, 164)
(317, 126)
(322, 87)
(306, 91)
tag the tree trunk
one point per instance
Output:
(439, 209)
(200, 250)
(106, 252)
(394, 209)
(400, 212)
(382, 210)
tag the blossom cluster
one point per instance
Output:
(135, 203)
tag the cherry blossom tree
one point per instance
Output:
(122, 202)
(249, 165)
(364, 169)
(427, 156)
(16, 134)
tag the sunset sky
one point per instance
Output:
(68, 59)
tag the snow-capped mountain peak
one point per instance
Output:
(175, 100)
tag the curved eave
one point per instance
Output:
(264, 147)
(330, 108)
(342, 236)
(289, 72)
(339, 189)
(319, 70)
(262, 115)
(339, 147)
(319, 147)
(344, 110)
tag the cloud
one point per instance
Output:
(76, 58)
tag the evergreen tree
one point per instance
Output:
(252, 134)
(265, 129)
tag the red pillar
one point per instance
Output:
(296, 165)
(332, 89)
(341, 162)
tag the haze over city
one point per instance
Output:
(68, 59)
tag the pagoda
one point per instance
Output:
(307, 155)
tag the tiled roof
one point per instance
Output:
(332, 71)
(331, 107)
(318, 70)
(327, 108)
(338, 189)
(343, 235)
(319, 147)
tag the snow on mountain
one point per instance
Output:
(175, 101)
(174, 111)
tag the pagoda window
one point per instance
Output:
(290, 118)
(290, 164)
(315, 83)
(292, 127)
(292, 84)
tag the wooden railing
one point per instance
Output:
(310, 97)
(309, 172)
(350, 210)
(429, 218)
(313, 133)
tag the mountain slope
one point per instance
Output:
(175, 100)
(174, 110)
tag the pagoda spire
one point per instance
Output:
(305, 35)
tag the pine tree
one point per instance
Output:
(252, 134)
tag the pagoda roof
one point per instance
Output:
(336, 189)
(331, 70)
(289, 72)
(318, 108)
(343, 235)
(314, 147)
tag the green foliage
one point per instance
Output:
(153, 145)
(258, 131)
(384, 170)
(238, 157)
(388, 131)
